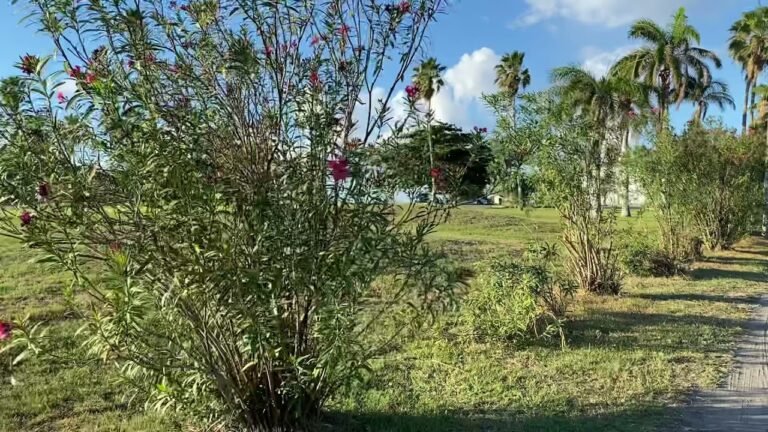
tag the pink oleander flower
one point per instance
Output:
(5, 330)
(632, 114)
(75, 72)
(412, 91)
(344, 30)
(339, 169)
(314, 79)
(29, 64)
(26, 218)
(405, 7)
(315, 40)
(435, 173)
(90, 78)
(61, 98)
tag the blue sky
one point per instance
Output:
(470, 37)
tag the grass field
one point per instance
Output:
(629, 360)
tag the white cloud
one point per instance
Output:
(457, 102)
(465, 82)
(608, 13)
(599, 62)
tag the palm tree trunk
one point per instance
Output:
(625, 210)
(752, 103)
(513, 108)
(433, 194)
(520, 203)
(746, 108)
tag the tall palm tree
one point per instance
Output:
(428, 77)
(748, 46)
(511, 77)
(702, 95)
(607, 100)
(668, 58)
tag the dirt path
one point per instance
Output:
(741, 404)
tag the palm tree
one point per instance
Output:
(748, 46)
(605, 100)
(702, 95)
(511, 77)
(668, 58)
(428, 78)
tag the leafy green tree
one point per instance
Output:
(705, 182)
(762, 92)
(511, 77)
(428, 77)
(608, 101)
(668, 59)
(232, 252)
(568, 174)
(460, 164)
(748, 46)
(513, 146)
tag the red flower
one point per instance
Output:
(90, 78)
(173, 69)
(344, 30)
(5, 330)
(268, 51)
(43, 191)
(149, 58)
(339, 169)
(314, 79)
(412, 91)
(61, 98)
(631, 114)
(26, 218)
(435, 173)
(28, 64)
(75, 72)
(315, 40)
(405, 7)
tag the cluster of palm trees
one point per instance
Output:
(668, 69)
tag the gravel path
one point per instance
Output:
(741, 404)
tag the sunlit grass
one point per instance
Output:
(628, 360)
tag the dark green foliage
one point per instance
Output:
(462, 158)
(640, 255)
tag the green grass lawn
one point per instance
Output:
(629, 360)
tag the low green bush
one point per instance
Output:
(642, 256)
(519, 300)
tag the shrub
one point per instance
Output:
(704, 185)
(639, 255)
(517, 300)
(206, 165)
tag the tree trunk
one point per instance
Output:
(752, 104)
(433, 195)
(625, 210)
(520, 202)
(746, 109)
(513, 108)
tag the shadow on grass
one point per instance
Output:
(728, 260)
(666, 332)
(715, 274)
(696, 297)
(641, 419)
